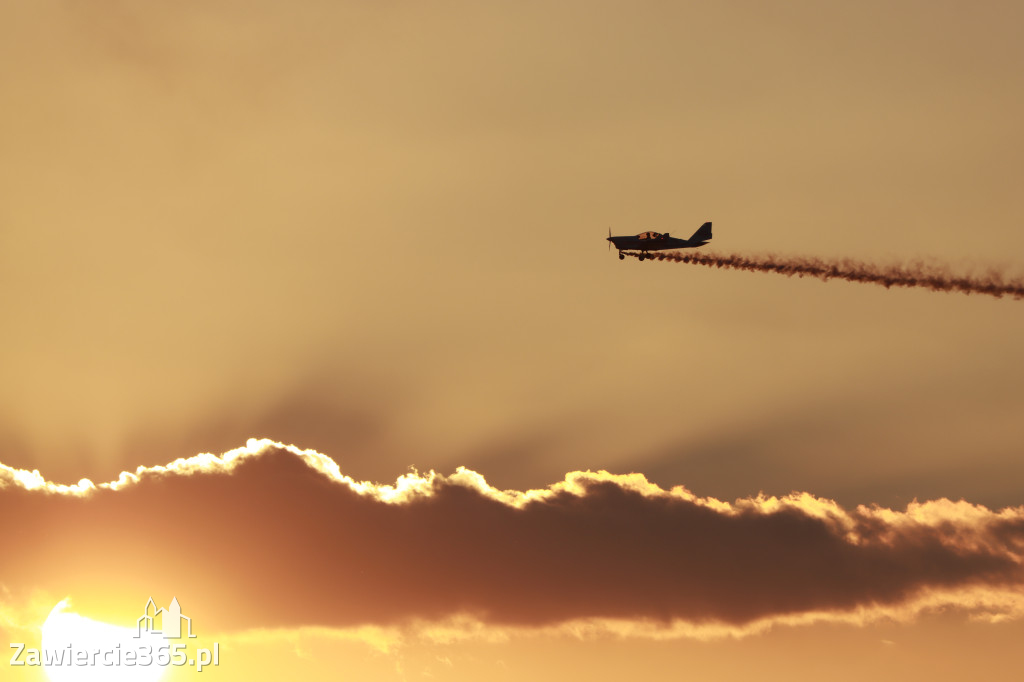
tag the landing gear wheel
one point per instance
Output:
(641, 258)
(622, 257)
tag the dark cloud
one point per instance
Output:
(271, 541)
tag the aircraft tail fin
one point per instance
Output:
(702, 234)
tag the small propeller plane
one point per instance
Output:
(655, 241)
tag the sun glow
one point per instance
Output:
(78, 649)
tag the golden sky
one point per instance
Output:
(376, 231)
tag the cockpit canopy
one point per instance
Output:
(651, 235)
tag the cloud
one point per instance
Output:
(270, 536)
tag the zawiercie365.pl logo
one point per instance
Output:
(159, 639)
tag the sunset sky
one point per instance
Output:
(373, 235)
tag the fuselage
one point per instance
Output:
(659, 243)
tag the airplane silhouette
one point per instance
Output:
(655, 241)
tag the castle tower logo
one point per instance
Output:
(170, 621)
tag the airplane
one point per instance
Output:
(655, 241)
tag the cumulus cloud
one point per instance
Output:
(271, 536)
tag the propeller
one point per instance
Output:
(609, 237)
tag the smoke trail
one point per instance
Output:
(935, 278)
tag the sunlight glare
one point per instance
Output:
(64, 629)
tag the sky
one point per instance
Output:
(374, 235)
